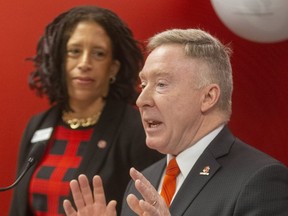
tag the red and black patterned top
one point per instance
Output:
(49, 185)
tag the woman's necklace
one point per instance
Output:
(75, 123)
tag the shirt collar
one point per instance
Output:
(188, 157)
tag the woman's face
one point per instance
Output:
(89, 63)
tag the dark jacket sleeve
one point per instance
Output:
(19, 202)
(265, 192)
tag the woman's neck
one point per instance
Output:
(85, 110)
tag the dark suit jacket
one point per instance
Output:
(120, 126)
(242, 181)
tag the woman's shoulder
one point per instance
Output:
(49, 113)
(132, 113)
(127, 114)
(126, 109)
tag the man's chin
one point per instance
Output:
(155, 144)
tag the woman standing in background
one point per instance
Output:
(87, 64)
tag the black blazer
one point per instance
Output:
(120, 126)
(242, 181)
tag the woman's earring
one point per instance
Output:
(112, 79)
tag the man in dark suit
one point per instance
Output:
(185, 105)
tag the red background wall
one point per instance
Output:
(260, 70)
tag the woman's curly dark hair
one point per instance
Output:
(48, 78)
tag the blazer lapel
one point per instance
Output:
(46, 120)
(106, 130)
(198, 176)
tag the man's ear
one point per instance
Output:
(210, 97)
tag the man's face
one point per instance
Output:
(169, 105)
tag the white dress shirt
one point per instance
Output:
(188, 158)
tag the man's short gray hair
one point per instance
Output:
(201, 45)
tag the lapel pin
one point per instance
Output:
(205, 171)
(102, 144)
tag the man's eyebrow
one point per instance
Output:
(157, 73)
(140, 74)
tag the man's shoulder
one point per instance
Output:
(252, 154)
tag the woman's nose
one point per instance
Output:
(85, 62)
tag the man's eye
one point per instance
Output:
(160, 84)
(142, 85)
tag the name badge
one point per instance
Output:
(41, 135)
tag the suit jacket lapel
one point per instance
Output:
(195, 181)
(155, 173)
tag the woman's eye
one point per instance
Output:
(98, 54)
(73, 52)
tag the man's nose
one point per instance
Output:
(145, 98)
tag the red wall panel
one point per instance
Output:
(260, 70)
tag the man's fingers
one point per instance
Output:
(135, 174)
(133, 203)
(98, 191)
(111, 208)
(85, 189)
(144, 187)
(77, 195)
(153, 204)
(148, 192)
(69, 210)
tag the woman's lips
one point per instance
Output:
(83, 80)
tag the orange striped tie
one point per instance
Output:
(169, 183)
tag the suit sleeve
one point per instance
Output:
(265, 193)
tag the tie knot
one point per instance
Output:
(172, 168)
